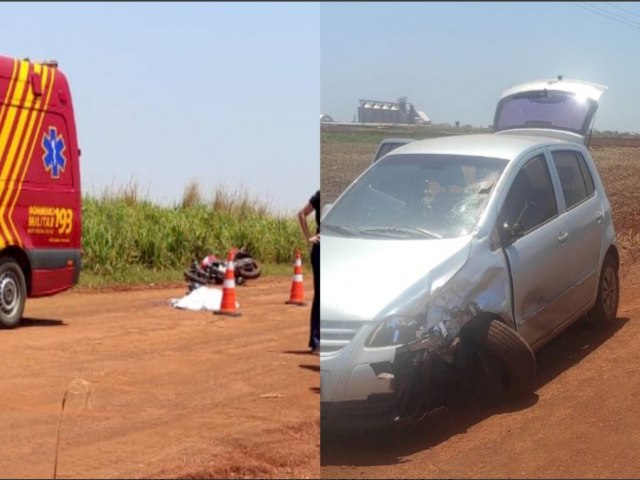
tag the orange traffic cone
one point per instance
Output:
(228, 304)
(297, 287)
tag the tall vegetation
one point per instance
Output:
(123, 229)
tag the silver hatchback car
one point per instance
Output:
(458, 257)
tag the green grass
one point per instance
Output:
(127, 239)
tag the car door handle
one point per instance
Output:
(599, 216)
(563, 237)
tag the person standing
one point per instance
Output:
(313, 205)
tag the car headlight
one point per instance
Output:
(397, 330)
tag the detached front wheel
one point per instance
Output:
(500, 362)
(13, 292)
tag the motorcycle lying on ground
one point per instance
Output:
(211, 269)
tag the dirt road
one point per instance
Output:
(582, 422)
(174, 393)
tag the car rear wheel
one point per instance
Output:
(606, 308)
(13, 292)
(500, 363)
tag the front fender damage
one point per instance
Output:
(431, 372)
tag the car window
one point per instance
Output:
(530, 201)
(586, 174)
(559, 110)
(393, 187)
(384, 149)
(417, 195)
(572, 179)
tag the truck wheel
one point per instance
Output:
(13, 292)
(500, 362)
(606, 308)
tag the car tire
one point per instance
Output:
(606, 308)
(13, 293)
(500, 363)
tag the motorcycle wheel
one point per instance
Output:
(196, 276)
(249, 270)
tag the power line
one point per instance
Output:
(624, 9)
(598, 10)
(608, 15)
(616, 15)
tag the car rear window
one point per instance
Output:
(545, 109)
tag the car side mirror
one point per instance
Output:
(516, 231)
(509, 234)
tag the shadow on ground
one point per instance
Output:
(41, 322)
(313, 368)
(298, 352)
(364, 447)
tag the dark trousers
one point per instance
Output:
(314, 331)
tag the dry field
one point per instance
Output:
(583, 420)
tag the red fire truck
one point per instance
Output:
(40, 198)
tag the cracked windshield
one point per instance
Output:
(416, 196)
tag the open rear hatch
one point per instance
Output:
(552, 108)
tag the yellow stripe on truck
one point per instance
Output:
(12, 81)
(33, 136)
(5, 144)
(13, 159)
(5, 107)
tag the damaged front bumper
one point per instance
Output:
(399, 384)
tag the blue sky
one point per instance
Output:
(453, 60)
(228, 94)
(166, 93)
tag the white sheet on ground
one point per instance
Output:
(203, 298)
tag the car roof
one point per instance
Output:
(484, 145)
